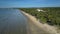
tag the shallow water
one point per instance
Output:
(12, 21)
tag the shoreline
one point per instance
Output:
(45, 27)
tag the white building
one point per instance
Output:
(40, 10)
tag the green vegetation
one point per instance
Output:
(50, 16)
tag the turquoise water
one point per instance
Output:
(12, 21)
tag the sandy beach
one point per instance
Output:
(35, 27)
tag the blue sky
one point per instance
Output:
(29, 3)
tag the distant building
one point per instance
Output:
(40, 10)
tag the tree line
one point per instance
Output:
(50, 16)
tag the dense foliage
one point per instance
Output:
(50, 16)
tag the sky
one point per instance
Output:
(29, 3)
